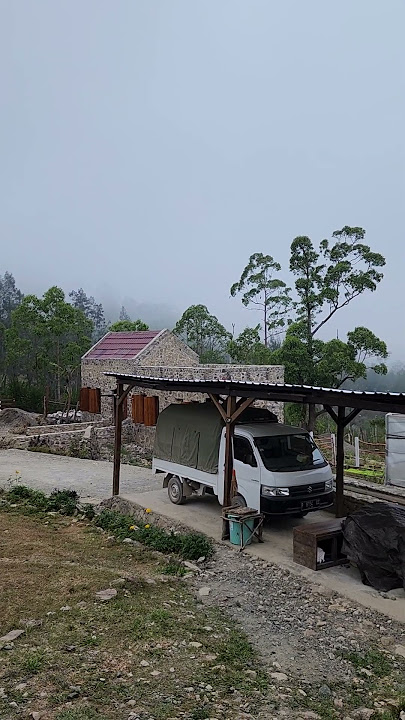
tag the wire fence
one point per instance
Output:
(364, 460)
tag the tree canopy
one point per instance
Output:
(128, 325)
(204, 334)
(248, 348)
(45, 341)
(93, 310)
(261, 288)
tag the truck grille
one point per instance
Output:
(310, 489)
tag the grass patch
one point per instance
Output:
(372, 660)
(189, 546)
(151, 643)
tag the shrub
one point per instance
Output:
(63, 501)
(189, 546)
(88, 511)
(21, 493)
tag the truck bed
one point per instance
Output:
(182, 471)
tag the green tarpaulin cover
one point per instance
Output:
(189, 434)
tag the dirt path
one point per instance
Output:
(92, 479)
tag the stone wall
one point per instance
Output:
(75, 443)
(167, 350)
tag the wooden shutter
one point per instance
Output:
(151, 410)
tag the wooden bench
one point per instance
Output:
(326, 536)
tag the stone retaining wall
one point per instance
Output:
(63, 427)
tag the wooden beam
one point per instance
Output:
(125, 393)
(340, 462)
(331, 413)
(219, 407)
(241, 407)
(118, 438)
(351, 416)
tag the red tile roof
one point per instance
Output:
(121, 345)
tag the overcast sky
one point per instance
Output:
(148, 147)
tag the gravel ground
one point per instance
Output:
(305, 634)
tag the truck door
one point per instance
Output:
(247, 471)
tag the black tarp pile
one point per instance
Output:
(374, 540)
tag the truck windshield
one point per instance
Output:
(289, 452)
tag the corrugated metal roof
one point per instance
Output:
(276, 386)
(121, 345)
(381, 401)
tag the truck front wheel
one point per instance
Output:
(175, 491)
(238, 501)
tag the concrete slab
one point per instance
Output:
(204, 515)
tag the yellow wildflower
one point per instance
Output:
(147, 526)
(148, 510)
(132, 527)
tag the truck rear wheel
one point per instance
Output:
(175, 491)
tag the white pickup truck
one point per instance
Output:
(278, 468)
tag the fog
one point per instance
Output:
(148, 147)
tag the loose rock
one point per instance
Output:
(10, 637)
(280, 677)
(104, 595)
(204, 591)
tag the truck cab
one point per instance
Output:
(280, 470)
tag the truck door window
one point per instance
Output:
(243, 451)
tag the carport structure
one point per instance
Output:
(231, 398)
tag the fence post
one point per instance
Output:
(357, 452)
(333, 443)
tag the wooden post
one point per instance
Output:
(46, 402)
(340, 461)
(118, 435)
(228, 467)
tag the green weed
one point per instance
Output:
(174, 567)
(33, 663)
(235, 647)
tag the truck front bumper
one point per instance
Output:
(295, 505)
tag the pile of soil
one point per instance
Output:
(15, 420)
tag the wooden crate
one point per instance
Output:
(309, 537)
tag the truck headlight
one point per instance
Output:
(329, 485)
(275, 492)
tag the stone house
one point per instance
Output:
(157, 354)
(127, 352)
